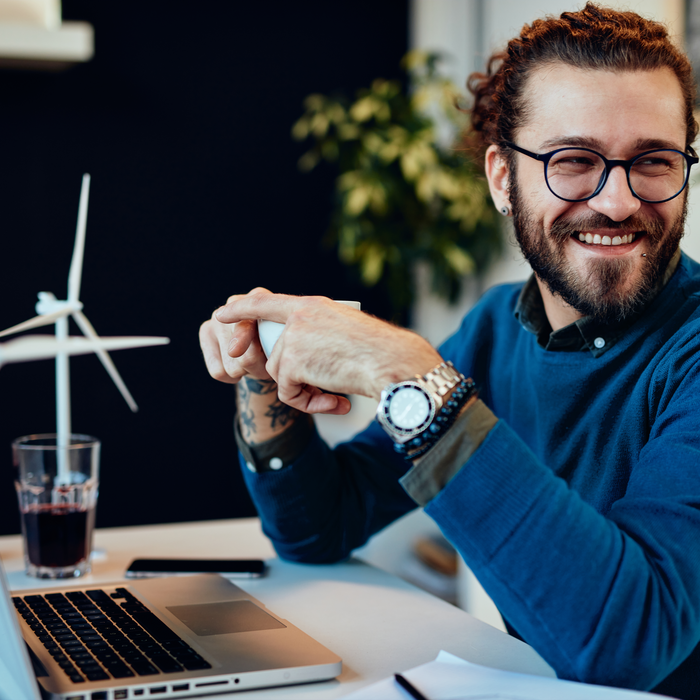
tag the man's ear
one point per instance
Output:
(498, 177)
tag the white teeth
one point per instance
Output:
(597, 239)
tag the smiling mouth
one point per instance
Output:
(597, 239)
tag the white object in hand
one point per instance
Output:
(270, 331)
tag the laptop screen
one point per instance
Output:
(17, 678)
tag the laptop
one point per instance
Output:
(172, 637)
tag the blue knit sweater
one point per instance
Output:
(579, 513)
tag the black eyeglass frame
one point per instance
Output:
(544, 158)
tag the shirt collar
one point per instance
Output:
(584, 334)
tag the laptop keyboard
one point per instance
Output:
(95, 635)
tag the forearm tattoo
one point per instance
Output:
(260, 386)
(278, 414)
(245, 413)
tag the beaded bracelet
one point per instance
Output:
(419, 445)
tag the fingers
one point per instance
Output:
(252, 360)
(309, 399)
(260, 303)
(242, 336)
(211, 351)
(232, 351)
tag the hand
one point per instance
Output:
(327, 345)
(232, 350)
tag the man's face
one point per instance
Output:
(619, 115)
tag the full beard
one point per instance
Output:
(609, 288)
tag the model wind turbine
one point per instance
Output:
(43, 347)
(52, 310)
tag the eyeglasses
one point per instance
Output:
(578, 174)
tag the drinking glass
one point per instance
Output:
(57, 486)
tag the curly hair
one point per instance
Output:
(595, 37)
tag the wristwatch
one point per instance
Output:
(407, 409)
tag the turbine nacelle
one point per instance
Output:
(48, 304)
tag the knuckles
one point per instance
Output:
(258, 294)
(220, 375)
(309, 309)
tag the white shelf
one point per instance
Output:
(26, 45)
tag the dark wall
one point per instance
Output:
(183, 119)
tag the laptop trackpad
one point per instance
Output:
(226, 617)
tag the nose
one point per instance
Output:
(616, 200)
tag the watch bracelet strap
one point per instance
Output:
(419, 445)
(441, 379)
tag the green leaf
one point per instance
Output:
(459, 260)
(372, 264)
(308, 161)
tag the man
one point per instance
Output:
(571, 485)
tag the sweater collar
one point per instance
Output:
(586, 333)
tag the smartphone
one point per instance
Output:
(231, 568)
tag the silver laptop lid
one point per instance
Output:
(17, 679)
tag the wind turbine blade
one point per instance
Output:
(42, 347)
(86, 327)
(76, 265)
(36, 322)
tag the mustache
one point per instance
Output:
(562, 229)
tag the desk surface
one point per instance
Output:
(376, 622)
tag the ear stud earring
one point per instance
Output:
(505, 210)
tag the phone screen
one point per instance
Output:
(231, 568)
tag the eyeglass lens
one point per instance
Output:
(656, 176)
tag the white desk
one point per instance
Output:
(376, 622)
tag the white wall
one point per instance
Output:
(470, 30)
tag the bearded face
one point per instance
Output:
(608, 288)
(604, 256)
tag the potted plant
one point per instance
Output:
(404, 194)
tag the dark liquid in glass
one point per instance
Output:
(56, 534)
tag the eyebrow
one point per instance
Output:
(596, 145)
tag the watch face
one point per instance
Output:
(409, 408)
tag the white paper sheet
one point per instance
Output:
(452, 678)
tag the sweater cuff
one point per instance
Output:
(430, 474)
(277, 452)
